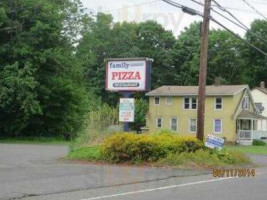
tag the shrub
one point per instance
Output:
(124, 147)
(204, 158)
(258, 143)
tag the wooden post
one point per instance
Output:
(252, 127)
(203, 71)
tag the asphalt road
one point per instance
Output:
(34, 172)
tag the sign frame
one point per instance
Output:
(147, 81)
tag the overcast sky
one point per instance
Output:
(173, 18)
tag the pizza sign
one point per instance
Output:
(127, 75)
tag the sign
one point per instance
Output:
(126, 110)
(128, 75)
(214, 142)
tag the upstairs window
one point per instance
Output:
(190, 103)
(156, 100)
(218, 103)
(168, 100)
(245, 103)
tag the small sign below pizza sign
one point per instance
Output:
(126, 110)
(128, 75)
(214, 142)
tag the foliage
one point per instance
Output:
(204, 158)
(41, 87)
(258, 143)
(86, 154)
(141, 109)
(123, 147)
(101, 121)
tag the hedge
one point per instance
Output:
(125, 147)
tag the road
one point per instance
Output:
(34, 172)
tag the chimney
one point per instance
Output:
(217, 81)
(262, 84)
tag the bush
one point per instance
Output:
(125, 147)
(258, 143)
(204, 158)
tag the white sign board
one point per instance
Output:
(126, 110)
(126, 75)
(214, 142)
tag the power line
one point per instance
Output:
(217, 22)
(243, 26)
(245, 1)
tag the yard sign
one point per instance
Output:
(214, 142)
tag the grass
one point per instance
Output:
(33, 140)
(204, 159)
(86, 154)
(261, 150)
(201, 159)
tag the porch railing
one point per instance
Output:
(249, 135)
(244, 135)
(259, 134)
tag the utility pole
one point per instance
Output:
(203, 71)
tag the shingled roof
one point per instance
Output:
(263, 90)
(211, 90)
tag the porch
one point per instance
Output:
(247, 129)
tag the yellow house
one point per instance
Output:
(230, 111)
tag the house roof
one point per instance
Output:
(211, 90)
(263, 90)
(245, 114)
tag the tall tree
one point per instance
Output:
(41, 89)
(256, 62)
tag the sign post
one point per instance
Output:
(214, 142)
(128, 75)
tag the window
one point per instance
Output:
(173, 125)
(245, 103)
(190, 103)
(186, 103)
(159, 122)
(168, 100)
(157, 100)
(218, 103)
(217, 126)
(192, 125)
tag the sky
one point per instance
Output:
(173, 18)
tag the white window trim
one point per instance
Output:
(190, 103)
(157, 122)
(215, 103)
(155, 101)
(166, 103)
(221, 126)
(176, 123)
(189, 125)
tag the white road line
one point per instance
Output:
(162, 188)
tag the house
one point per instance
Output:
(259, 95)
(230, 111)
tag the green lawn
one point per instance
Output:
(33, 140)
(86, 154)
(262, 150)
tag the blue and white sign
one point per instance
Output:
(126, 110)
(214, 142)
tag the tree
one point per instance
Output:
(256, 62)
(41, 87)
(225, 58)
